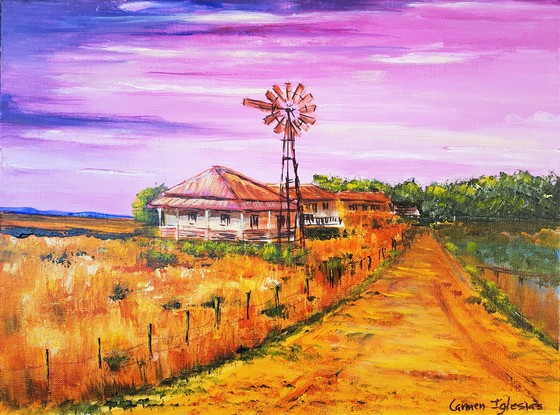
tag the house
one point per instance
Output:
(221, 203)
(407, 210)
(319, 205)
(365, 201)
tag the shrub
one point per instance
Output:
(471, 247)
(490, 307)
(451, 247)
(119, 292)
(322, 233)
(158, 259)
(172, 305)
(278, 311)
(473, 300)
(271, 253)
(472, 270)
(116, 360)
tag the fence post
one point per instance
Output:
(150, 339)
(248, 293)
(187, 325)
(306, 286)
(277, 295)
(497, 274)
(99, 361)
(48, 369)
(217, 310)
(369, 263)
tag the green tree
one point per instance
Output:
(406, 192)
(140, 209)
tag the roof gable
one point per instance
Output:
(223, 183)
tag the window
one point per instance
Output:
(191, 215)
(280, 220)
(364, 208)
(254, 221)
(225, 219)
(314, 207)
(325, 205)
(353, 207)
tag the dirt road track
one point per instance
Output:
(409, 345)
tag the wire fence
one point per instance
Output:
(209, 334)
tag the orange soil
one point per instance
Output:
(409, 345)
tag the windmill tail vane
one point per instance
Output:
(291, 110)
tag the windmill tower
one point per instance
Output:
(290, 109)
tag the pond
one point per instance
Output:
(540, 303)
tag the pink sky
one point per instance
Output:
(116, 101)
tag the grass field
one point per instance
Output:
(407, 342)
(114, 315)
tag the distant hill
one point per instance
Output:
(33, 211)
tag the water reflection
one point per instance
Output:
(538, 302)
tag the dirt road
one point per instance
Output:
(409, 345)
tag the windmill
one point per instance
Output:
(291, 111)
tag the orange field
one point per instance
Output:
(409, 344)
(160, 321)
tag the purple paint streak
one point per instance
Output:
(101, 99)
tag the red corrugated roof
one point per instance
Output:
(220, 188)
(363, 197)
(220, 182)
(308, 192)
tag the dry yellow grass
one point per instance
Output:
(56, 297)
(409, 345)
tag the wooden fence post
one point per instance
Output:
(217, 310)
(277, 295)
(306, 286)
(248, 293)
(187, 325)
(99, 361)
(48, 368)
(150, 327)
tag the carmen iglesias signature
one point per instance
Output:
(500, 405)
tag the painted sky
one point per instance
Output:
(103, 98)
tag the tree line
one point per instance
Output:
(520, 195)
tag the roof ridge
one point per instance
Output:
(244, 177)
(218, 170)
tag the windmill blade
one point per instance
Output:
(306, 109)
(279, 92)
(307, 119)
(307, 99)
(271, 117)
(272, 97)
(298, 93)
(289, 92)
(254, 103)
(294, 126)
(302, 124)
(281, 126)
